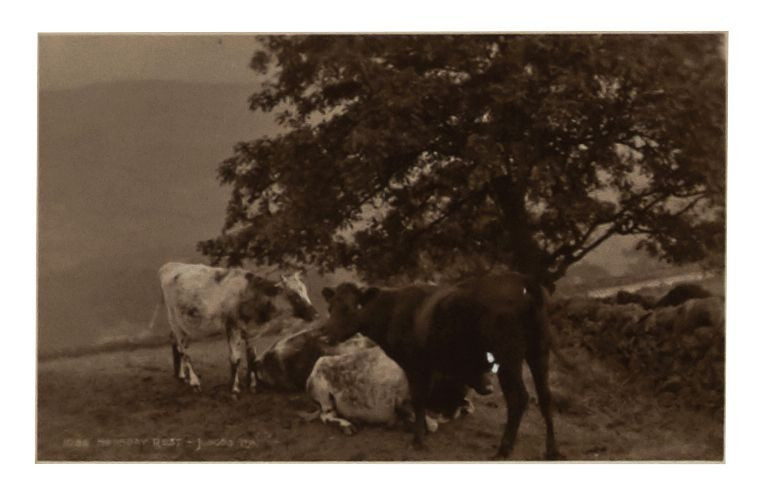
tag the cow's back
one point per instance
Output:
(200, 297)
(459, 324)
(389, 320)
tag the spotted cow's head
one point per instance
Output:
(345, 304)
(263, 301)
(296, 292)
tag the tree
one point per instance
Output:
(432, 154)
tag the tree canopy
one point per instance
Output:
(425, 155)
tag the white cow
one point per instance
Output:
(200, 299)
(365, 385)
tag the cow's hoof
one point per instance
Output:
(349, 430)
(234, 396)
(554, 456)
(196, 389)
(431, 424)
(501, 454)
(419, 445)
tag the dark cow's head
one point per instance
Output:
(345, 303)
(263, 301)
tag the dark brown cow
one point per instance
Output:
(448, 331)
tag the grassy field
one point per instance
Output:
(126, 406)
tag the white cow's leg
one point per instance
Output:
(318, 389)
(186, 367)
(176, 338)
(177, 361)
(250, 361)
(192, 378)
(332, 417)
(234, 341)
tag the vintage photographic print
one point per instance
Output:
(381, 247)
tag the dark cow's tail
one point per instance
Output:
(540, 300)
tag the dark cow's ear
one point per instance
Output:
(328, 293)
(368, 295)
(250, 276)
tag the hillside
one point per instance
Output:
(127, 180)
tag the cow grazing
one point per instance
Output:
(200, 300)
(452, 330)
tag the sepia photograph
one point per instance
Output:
(411, 247)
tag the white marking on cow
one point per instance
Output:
(490, 359)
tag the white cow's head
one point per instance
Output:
(264, 301)
(295, 284)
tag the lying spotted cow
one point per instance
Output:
(363, 385)
(351, 385)
(201, 300)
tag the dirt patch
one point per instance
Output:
(127, 406)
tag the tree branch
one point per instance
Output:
(451, 210)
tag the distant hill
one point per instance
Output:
(127, 181)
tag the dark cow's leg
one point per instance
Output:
(175, 338)
(517, 398)
(538, 362)
(420, 385)
(234, 341)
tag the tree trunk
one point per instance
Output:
(526, 255)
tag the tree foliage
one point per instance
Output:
(432, 154)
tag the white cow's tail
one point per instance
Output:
(155, 315)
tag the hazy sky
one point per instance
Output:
(71, 60)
